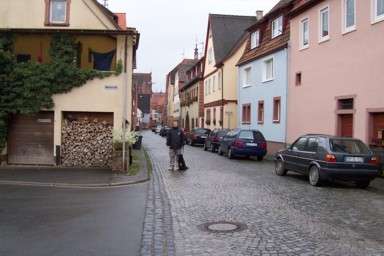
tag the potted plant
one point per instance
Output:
(119, 138)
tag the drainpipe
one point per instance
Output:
(125, 104)
(286, 93)
(222, 98)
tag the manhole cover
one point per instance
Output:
(222, 227)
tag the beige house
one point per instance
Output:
(176, 80)
(225, 44)
(192, 98)
(103, 41)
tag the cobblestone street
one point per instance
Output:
(284, 215)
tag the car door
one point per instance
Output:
(309, 153)
(296, 161)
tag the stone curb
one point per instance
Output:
(83, 186)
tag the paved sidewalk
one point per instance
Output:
(284, 215)
(71, 177)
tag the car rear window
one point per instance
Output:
(202, 131)
(348, 146)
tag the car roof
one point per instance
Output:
(328, 136)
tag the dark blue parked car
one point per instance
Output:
(246, 143)
(324, 157)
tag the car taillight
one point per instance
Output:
(263, 145)
(374, 160)
(330, 158)
(238, 143)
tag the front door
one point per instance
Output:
(346, 125)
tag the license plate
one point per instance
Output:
(252, 144)
(353, 159)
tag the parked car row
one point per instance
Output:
(321, 157)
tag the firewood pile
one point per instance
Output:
(86, 143)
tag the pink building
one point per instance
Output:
(336, 69)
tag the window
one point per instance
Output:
(324, 24)
(208, 117)
(58, 11)
(209, 86)
(255, 39)
(260, 113)
(210, 55)
(219, 78)
(246, 114)
(300, 144)
(304, 33)
(277, 27)
(206, 87)
(221, 115)
(298, 79)
(312, 145)
(349, 15)
(268, 70)
(247, 77)
(214, 83)
(345, 104)
(214, 116)
(378, 10)
(276, 110)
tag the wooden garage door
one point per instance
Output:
(30, 139)
(346, 125)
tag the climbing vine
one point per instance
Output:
(28, 87)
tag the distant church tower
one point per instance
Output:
(196, 55)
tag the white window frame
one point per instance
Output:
(214, 83)
(264, 69)
(51, 12)
(344, 27)
(219, 78)
(374, 17)
(279, 22)
(206, 87)
(209, 86)
(301, 42)
(247, 80)
(255, 39)
(321, 11)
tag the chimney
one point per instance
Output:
(196, 55)
(259, 14)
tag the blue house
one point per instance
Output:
(263, 77)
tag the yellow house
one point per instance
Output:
(104, 42)
(225, 44)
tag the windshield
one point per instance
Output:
(202, 131)
(348, 146)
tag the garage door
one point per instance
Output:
(30, 139)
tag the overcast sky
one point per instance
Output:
(170, 28)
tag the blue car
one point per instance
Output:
(244, 143)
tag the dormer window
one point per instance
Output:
(57, 12)
(277, 27)
(255, 39)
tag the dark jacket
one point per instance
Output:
(175, 138)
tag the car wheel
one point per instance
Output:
(205, 147)
(363, 184)
(230, 154)
(314, 176)
(220, 151)
(280, 168)
(260, 158)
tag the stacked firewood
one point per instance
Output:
(86, 143)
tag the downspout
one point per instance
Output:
(125, 104)
(222, 98)
(286, 92)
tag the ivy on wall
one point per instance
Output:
(28, 87)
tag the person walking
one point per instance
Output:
(175, 142)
